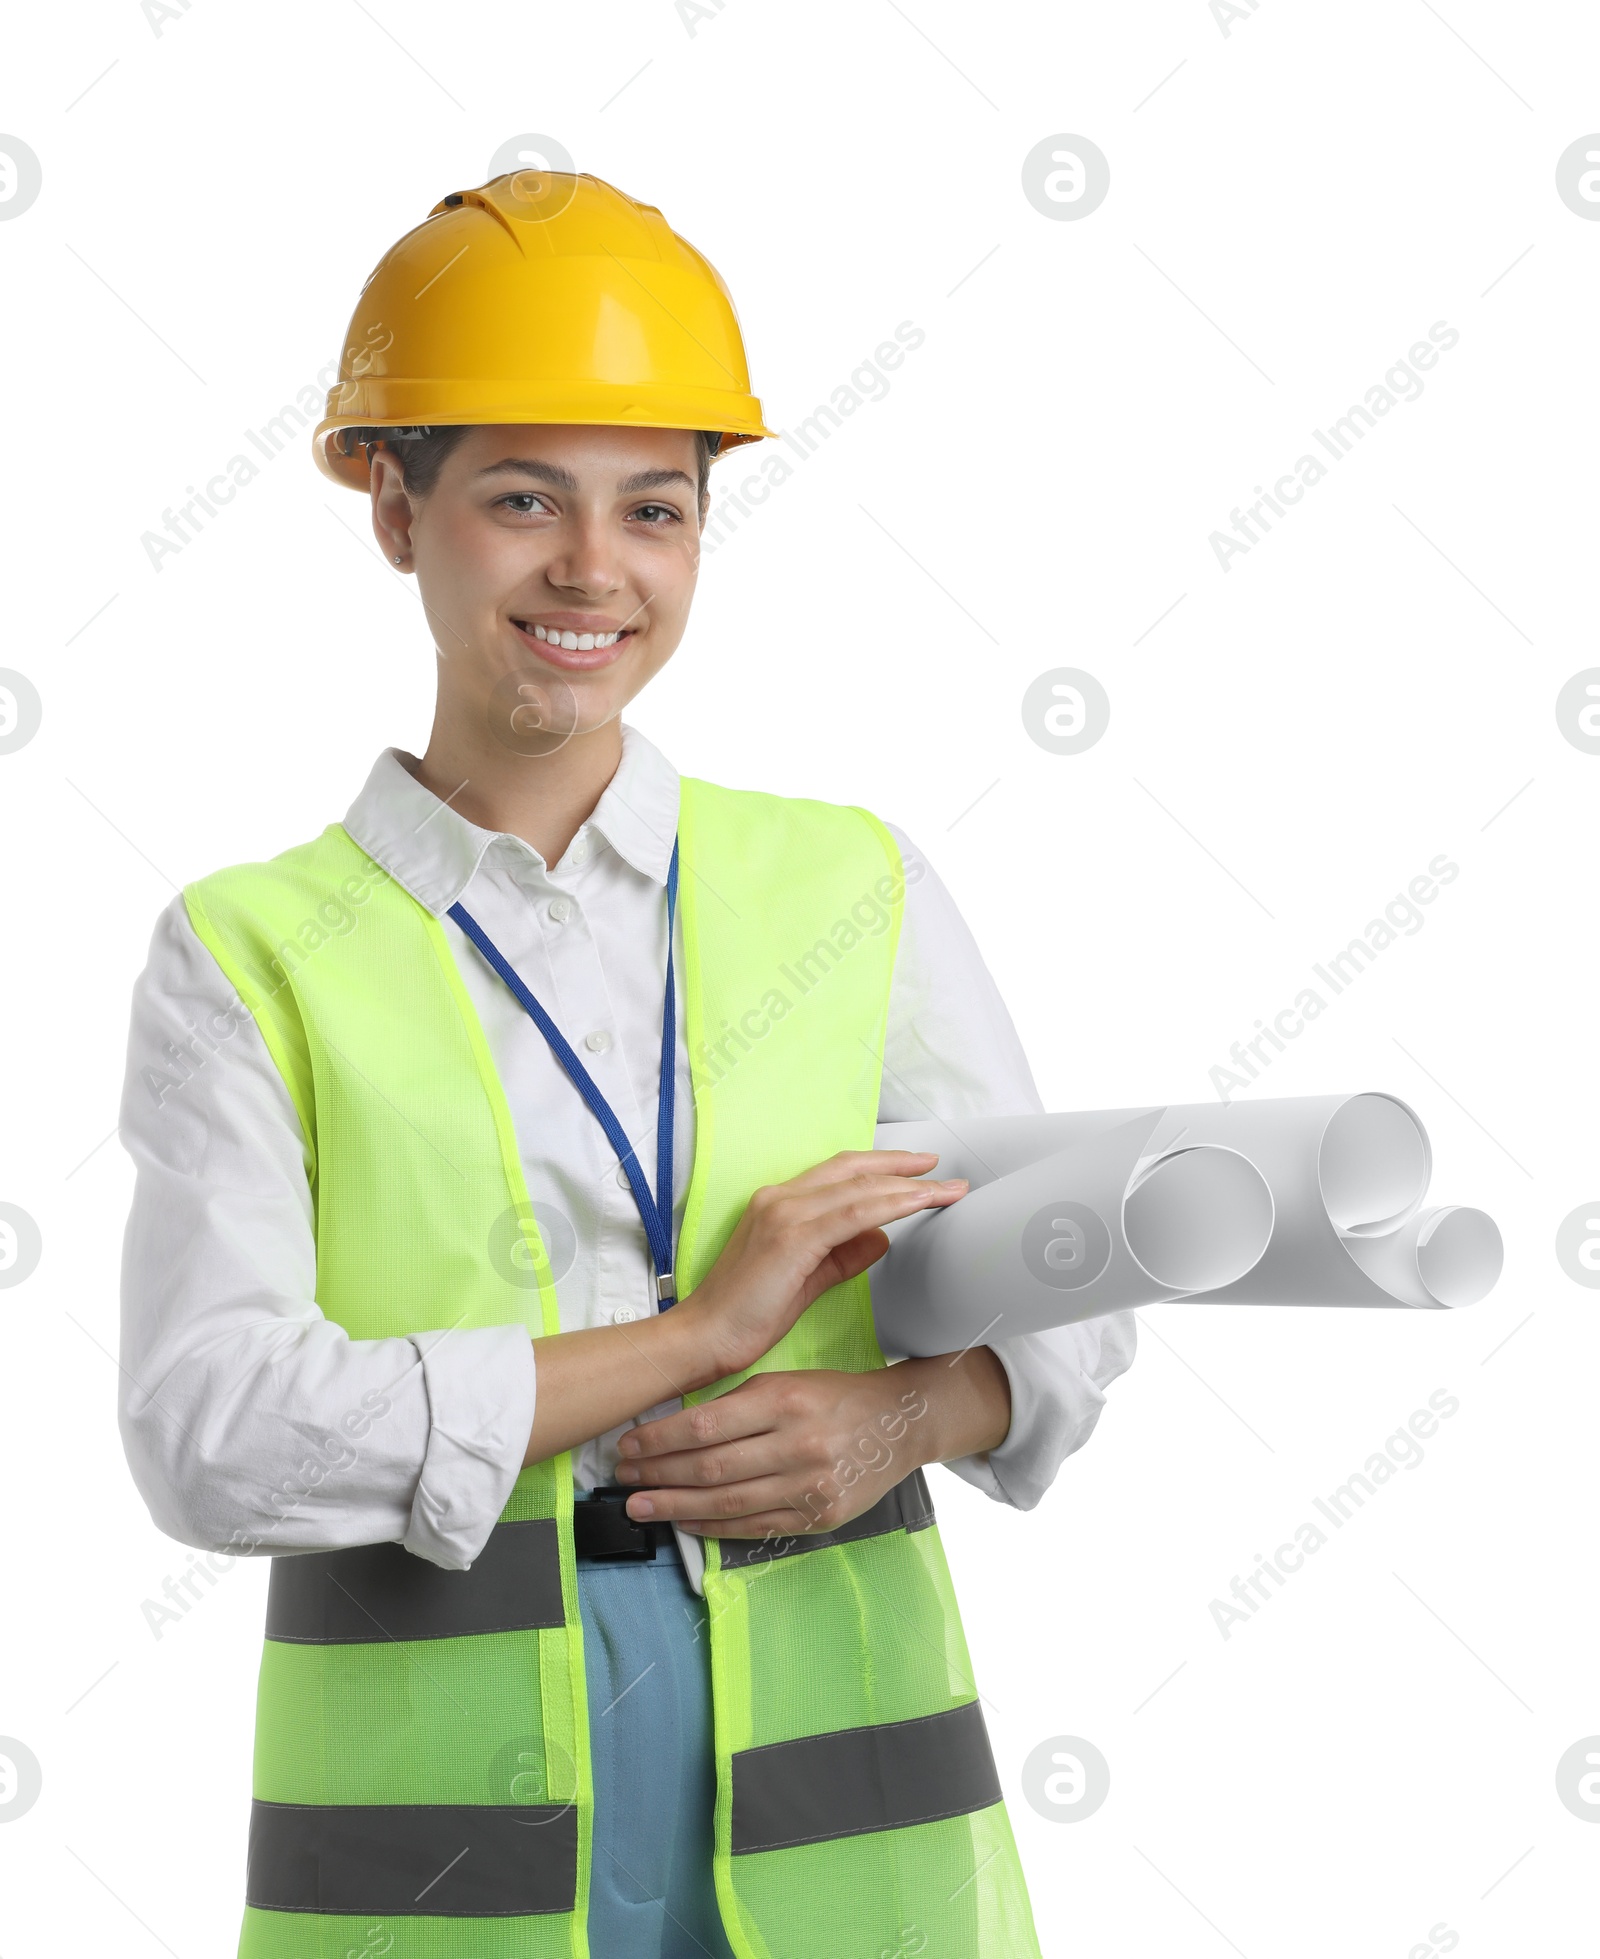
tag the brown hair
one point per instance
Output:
(421, 453)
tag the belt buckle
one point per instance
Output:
(603, 1531)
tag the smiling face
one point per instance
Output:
(562, 554)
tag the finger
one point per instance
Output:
(719, 1464)
(825, 1214)
(850, 1163)
(728, 1418)
(783, 1525)
(841, 1241)
(847, 1260)
(860, 1202)
(719, 1512)
(897, 1166)
(844, 1261)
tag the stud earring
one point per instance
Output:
(397, 557)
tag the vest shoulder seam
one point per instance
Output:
(291, 858)
(775, 797)
(869, 818)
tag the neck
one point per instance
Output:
(544, 799)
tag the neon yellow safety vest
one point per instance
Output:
(422, 1783)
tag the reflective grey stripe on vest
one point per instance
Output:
(907, 1507)
(448, 1860)
(383, 1591)
(861, 1779)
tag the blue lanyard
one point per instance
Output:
(656, 1211)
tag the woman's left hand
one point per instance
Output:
(792, 1453)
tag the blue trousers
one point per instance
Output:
(648, 1662)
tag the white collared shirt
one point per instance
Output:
(237, 1390)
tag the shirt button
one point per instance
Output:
(621, 1315)
(578, 852)
(561, 910)
(598, 1041)
(622, 1178)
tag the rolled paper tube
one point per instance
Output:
(1440, 1258)
(1364, 1159)
(1347, 1175)
(1086, 1230)
(1346, 1172)
(981, 1148)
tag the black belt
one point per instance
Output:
(603, 1530)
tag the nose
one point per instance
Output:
(588, 561)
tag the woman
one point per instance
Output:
(636, 1631)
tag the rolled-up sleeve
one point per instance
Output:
(251, 1422)
(951, 1050)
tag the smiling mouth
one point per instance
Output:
(570, 641)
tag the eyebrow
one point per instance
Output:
(563, 479)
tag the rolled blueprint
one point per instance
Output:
(1107, 1221)
(1297, 1201)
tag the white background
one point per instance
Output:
(1373, 1755)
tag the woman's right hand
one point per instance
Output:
(794, 1241)
(797, 1239)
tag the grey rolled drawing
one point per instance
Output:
(1311, 1200)
(1067, 1218)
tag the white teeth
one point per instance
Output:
(576, 642)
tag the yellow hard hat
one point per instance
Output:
(539, 297)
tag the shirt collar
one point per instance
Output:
(434, 851)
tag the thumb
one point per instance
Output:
(847, 1260)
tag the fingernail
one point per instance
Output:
(640, 1507)
(627, 1446)
(627, 1472)
(955, 1183)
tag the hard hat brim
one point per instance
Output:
(354, 470)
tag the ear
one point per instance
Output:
(391, 507)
